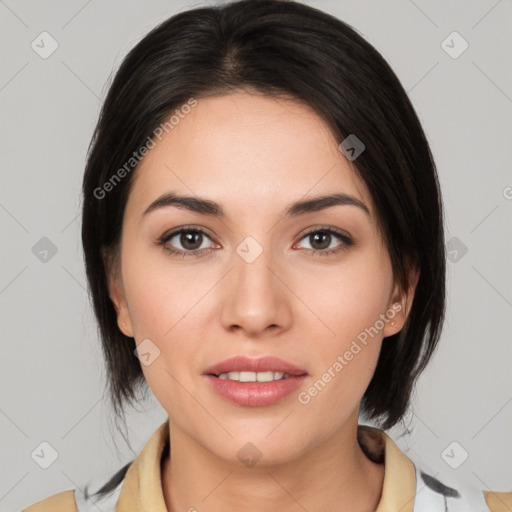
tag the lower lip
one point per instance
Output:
(255, 394)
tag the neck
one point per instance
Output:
(334, 475)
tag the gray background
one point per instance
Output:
(51, 366)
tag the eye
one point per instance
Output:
(191, 239)
(322, 238)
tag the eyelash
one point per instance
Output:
(162, 241)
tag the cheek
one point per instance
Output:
(344, 365)
(347, 297)
(348, 300)
(166, 305)
(161, 310)
(160, 293)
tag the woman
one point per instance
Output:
(263, 236)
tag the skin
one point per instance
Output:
(255, 155)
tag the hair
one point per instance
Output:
(278, 48)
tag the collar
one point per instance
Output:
(142, 485)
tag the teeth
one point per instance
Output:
(268, 376)
(254, 376)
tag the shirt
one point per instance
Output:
(406, 487)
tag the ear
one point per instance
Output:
(116, 291)
(400, 305)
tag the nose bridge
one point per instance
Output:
(253, 261)
(254, 297)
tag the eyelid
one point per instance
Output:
(332, 229)
(189, 227)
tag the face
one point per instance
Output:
(305, 287)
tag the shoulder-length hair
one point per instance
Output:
(278, 48)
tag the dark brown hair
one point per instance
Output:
(278, 48)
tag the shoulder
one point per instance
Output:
(436, 490)
(498, 501)
(105, 499)
(61, 502)
(455, 494)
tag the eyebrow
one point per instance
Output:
(213, 209)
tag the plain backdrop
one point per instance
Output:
(52, 377)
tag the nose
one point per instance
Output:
(255, 298)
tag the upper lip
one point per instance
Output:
(247, 364)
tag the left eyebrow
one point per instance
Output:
(213, 209)
(322, 202)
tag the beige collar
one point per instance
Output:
(142, 485)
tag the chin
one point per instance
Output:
(254, 446)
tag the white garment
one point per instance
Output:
(467, 498)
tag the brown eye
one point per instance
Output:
(321, 239)
(185, 242)
(190, 240)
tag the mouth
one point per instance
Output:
(267, 376)
(246, 369)
(254, 382)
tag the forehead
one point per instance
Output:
(246, 151)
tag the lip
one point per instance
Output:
(247, 364)
(254, 393)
